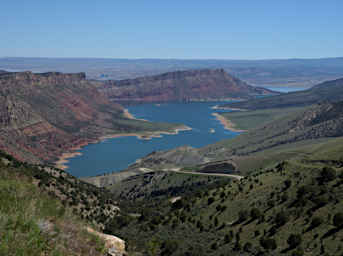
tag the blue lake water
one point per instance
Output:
(117, 153)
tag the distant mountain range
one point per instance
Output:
(191, 85)
(327, 91)
(283, 72)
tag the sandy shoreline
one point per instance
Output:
(62, 161)
(128, 115)
(227, 108)
(228, 125)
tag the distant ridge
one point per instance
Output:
(267, 72)
(189, 85)
(328, 91)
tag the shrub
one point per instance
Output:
(281, 219)
(288, 184)
(243, 215)
(317, 221)
(327, 174)
(255, 213)
(271, 203)
(216, 222)
(178, 205)
(298, 252)
(214, 246)
(210, 200)
(284, 197)
(169, 247)
(294, 240)
(247, 247)
(268, 243)
(338, 220)
(227, 238)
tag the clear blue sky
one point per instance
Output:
(222, 29)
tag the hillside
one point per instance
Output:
(45, 115)
(45, 211)
(192, 85)
(290, 208)
(287, 204)
(293, 207)
(327, 91)
(294, 129)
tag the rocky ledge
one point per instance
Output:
(190, 85)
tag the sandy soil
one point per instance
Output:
(228, 125)
(227, 108)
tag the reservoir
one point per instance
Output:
(117, 154)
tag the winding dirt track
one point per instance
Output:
(237, 177)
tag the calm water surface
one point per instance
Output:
(116, 154)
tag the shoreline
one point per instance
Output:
(62, 161)
(128, 115)
(217, 107)
(228, 125)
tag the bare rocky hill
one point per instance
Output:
(191, 85)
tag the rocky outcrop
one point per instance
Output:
(191, 85)
(115, 246)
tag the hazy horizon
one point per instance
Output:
(209, 59)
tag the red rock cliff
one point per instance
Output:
(191, 85)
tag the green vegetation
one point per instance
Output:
(293, 208)
(35, 223)
(289, 135)
(328, 91)
(248, 120)
(161, 185)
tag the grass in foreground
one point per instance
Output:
(35, 223)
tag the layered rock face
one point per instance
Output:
(43, 115)
(192, 85)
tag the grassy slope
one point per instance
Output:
(161, 185)
(279, 135)
(247, 120)
(35, 223)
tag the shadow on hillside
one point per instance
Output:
(330, 232)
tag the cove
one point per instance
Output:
(116, 154)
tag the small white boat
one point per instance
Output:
(212, 130)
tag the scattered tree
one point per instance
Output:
(255, 213)
(327, 174)
(268, 243)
